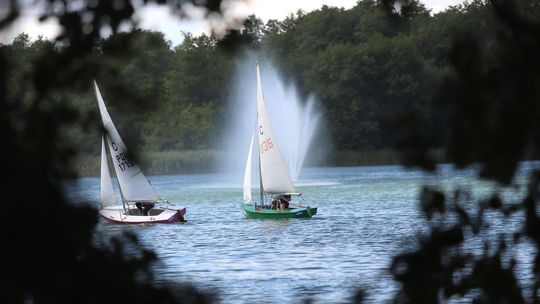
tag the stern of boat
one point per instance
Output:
(179, 216)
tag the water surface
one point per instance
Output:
(366, 215)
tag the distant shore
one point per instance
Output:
(202, 161)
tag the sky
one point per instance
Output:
(160, 18)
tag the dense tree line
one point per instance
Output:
(55, 255)
(486, 112)
(365, 64)
(491, 96)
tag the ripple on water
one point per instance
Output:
(366, 215)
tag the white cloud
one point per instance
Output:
(31, 26)
(160, 18)
(28, 22)
(440, 5)
(279, 9)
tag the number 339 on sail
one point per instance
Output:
(266, 145)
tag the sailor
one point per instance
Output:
(146, 207)
(284, 202)
(139, 207)
(274, 205)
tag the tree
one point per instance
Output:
(492, 95)
(51, 256)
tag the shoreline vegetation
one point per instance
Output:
(386, 74)
(363, 73)
(205, 161)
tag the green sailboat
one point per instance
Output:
(276, 186)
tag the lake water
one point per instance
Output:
(366, 215)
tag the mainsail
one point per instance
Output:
(107, 192)
(133, 184)
(247, 174)
(274, 174)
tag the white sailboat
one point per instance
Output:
(140, 202)
(274, 178)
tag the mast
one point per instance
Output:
(261, 189)
(123, 198)
(118, 182)
(107, 191)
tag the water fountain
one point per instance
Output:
(294, 120)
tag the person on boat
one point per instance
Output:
(139, 207)
(284, 202)
(274, 205)
(144, 208)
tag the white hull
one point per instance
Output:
(158, 214)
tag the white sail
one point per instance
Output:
(247, 174)
(274, 173)
(107, 192)
(133, 184)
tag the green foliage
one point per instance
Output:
(491, 95)
(365, 65)
(375, 70)
(164, 162)
(364, 68)
(364, 158)
(55, 255)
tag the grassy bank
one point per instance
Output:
(363, 158)
(194, 161)
(154, 163)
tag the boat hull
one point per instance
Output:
(298, 212)
(160, 215)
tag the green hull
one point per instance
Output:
(300, 212)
